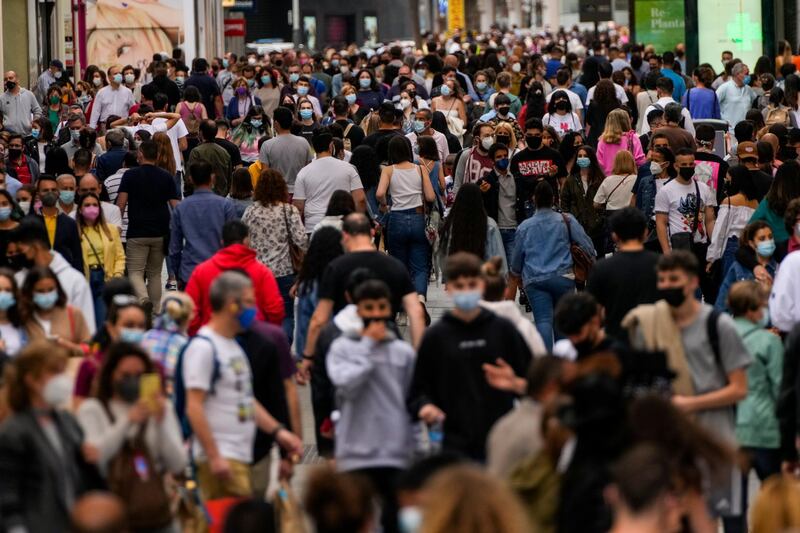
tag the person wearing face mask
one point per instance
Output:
(103, 255)
(246, 136)
(116, 415)
(422, 127)
(501, 114)
(578, 192)
(62, 232)
(9, 212)
(46, 315)
(240, 105)
(500, 199)
(20, 165)
(13, 334)
(114, 99)
(371, 373)
(48, 78)
(474, 163)
(759, 242)
(407, 106)
(560, 115)
(535, 164)
(224, 422)
(38, 485)
(66, 194)
(268, 90)
(706, 352)
(18, 106)
(735, 96)
(450, 103)
(449, 384)
(369, 91)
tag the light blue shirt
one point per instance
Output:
(734, 101)
(541, 246)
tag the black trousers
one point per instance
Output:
(384, 481)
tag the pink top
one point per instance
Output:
(607, 152)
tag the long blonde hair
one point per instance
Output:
(166, 157)
(506, 128)
(777, 506)
(618, 122)
(464, 499)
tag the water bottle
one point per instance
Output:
(435, 437)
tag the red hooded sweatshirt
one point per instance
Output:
(269, 302)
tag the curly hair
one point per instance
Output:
(271, 188)
(465, 227)
(326, 245)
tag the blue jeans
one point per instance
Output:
(97, 282)
(408, 244)
(284, 284)
(508, 236)
(729, 254)
(543, 297)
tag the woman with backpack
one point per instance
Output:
(776, 112)
(192, 112)
(138, 440)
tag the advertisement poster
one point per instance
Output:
(455, 15)
(130, 32)
(733, 25)
(660, 23)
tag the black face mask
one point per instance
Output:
(502, 139)
(503, 110)
(14, 153)
(370, 319)
(584, 347)
(686, 172)
(562, 106)
(10, 85)
(412, 94)
(19, 262)
(127, 388)
(534, 143)
(673, 296)
(49, 199)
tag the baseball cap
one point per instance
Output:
(747, 150)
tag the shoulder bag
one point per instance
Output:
(605, 205)
(296, 253)
(582, 262)
(432, 216)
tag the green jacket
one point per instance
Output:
(775, 221)
(756, 421)
(580, 204)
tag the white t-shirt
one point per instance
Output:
(317, 182)
(563, 123)
(679, 201)
(230, 410)
(12, 337)
(178, 131)
(615, 191)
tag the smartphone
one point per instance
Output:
(150, 389)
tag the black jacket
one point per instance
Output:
(491, 198)
(33, 481)
(67, 241)
(449, 374)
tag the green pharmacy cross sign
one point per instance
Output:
(743, 32)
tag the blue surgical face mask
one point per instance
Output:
(419, 126)
(421, 72)
(502, 164)
(7, 300)
(251, 82)
(480, 85)
(351, 99)
(445, 90)
(66, 197)
(364, 83)
(306, 114)
(583, 162)
(256, 123)
(35, 134)
(246, 317)
(117, 78)
(766, 248)
(466, 300)
(224, 63)
(45, 300)
(764, 322)
(131, 335)
(747, 79)
(334, 63)
(265, 79)
(75, 134)
(5, 213)
(293, 77)
(302, 91)
(409, 519)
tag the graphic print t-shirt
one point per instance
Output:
(679, 201)
(533, 166)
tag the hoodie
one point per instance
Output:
(372, 380)
(449, 375)
(510, 311)
(269, 303)
(74, 284)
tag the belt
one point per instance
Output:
(95, 267)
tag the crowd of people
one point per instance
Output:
(181, 248)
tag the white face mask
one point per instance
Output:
(516, 67)
(655, 168)
(58, 390)
(487, 142)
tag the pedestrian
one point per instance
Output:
(18, 106)
(207, 85)
(286, 153)
(615, 193)
(451, 357)
(500, 199)
(578, 192)
(165, 340)
(103, 255)
(542, 261)
(535, 164)
(147, 192)
(617, 136)
(39, 487)
(113, 99)
(20, 165)
(208, 151)
(735, 97)
(774, 206)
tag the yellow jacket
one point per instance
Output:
(113, 253)
(255, 173)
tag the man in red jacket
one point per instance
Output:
(235, 254)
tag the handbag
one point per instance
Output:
(432, 217)
(684, 239)
(133, 478)
(296, 253)
(582, 262)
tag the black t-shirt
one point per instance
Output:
(233, 151)
(380, 142)
(208, 90)
(763, 182)
(621, 282)
(532, 166)
(356, 134)
(149, 189)
(386, 268)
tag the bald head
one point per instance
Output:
(10, 77)
(89, 184)
(451, 61)
(772, 139)
(98, 512)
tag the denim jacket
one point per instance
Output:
(541, 248)
(737, 272)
